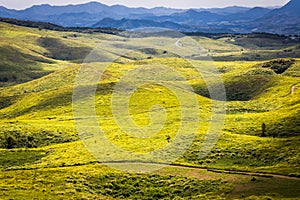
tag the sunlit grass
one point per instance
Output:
(47, 158)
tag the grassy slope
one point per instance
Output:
(28, 53)
(39, 114)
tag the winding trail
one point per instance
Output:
(258, 174)
(177, 44)
(161, 166)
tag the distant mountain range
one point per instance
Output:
(285, 20)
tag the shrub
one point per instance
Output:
(279, 65)
(11, 142)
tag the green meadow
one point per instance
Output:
(42, 156)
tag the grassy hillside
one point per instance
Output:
(28, 54)
(42, 155)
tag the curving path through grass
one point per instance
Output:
(147, 167)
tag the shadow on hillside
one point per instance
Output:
(238, 88)
(15, 158)
(18, 67)
(55, 98)
(60, 51)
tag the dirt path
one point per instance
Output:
(146, 167)
(177, 44)
(260, 174)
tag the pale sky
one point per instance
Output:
(21, 4)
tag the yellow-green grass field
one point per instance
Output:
(42, 156)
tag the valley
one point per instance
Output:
(42, 156)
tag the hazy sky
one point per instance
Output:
(21, 4)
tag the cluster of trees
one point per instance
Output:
(279, 65)
(12, 139)
(7, 78)
(240, 35)
(17, 141)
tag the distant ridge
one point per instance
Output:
(282, 20)
(54, 27)
(234, 19)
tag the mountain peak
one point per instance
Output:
(40, 6)
(292, 3)
(192, 11)
(94, 2)
(292, 7)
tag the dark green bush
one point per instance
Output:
(12, 139)
(279, 65)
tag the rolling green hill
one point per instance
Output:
(42, 155)
(29, 54)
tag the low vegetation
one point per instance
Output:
(42, 155)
